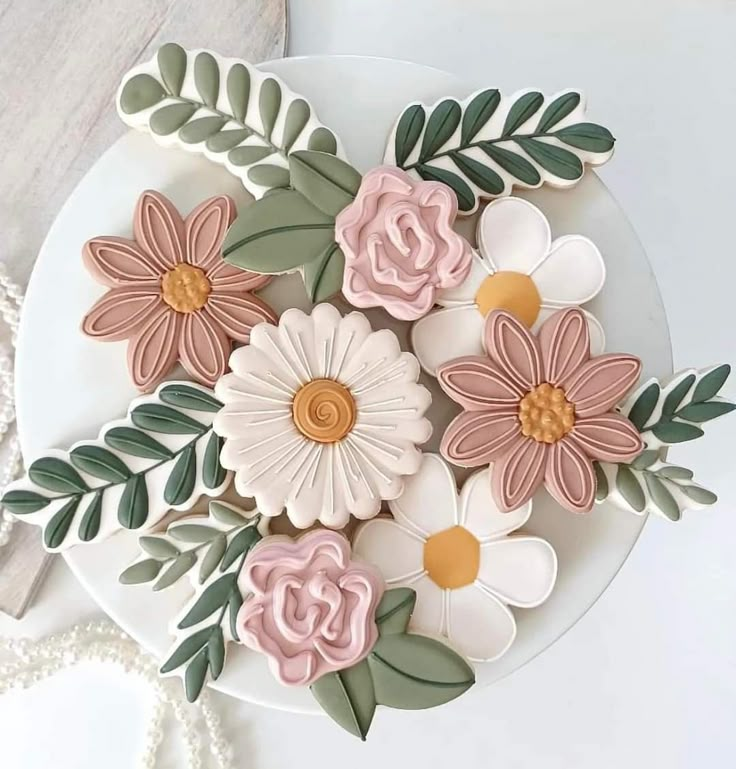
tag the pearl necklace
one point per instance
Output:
(104, 642)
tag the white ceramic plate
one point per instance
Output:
(69, 385)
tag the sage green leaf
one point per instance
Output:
(278, 233)
(587, 136)
(645, 459)
(322, 140)
(408, 132)
(56, 475)
(704, 412)
(662, 497)
(139, 93)
(269, 104)
(58, 527)
(99, 462)
(207, 78)
(133, 507)
(478, 112)
(522, 109)
(297, 116)
(187, 649)
(238, 91)
(212, 558)
(225, 513)
(163, 419)
(141, 572)
(195, 675)
(644, 406)
(158, 547)
(327, 182)
(558, 110)
(178, 568)
(269, 176)
(192, 532)
(201, 129)
(233, 607)
(442, 123)
(89, 526)
(601, 483)
(395, 609)
(513, 163)
(478, 173)
(135, 442)
(216, 652)
(213, 597)
(249, 154)
(465, 197)
(676, 432)
(225, 140)
(188, 397)
(630, 489)
(172, 64)
(676, 395)
(699, 495)
(180, 485)
(675, 473)
(240, 545)
(412, 672)
(171, 118)
(213, 473)
(323, 276)
(557, 161)
(22, 502)
(348, 698)
(709, 386)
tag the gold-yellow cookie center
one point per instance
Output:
(324, 411)
(510, 291)
(545, 414)
(452, 558)
(185, 288)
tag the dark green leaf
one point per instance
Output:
(163, 419)
(213, 473)
(158, 547)
(322, 140)
(100, 463)
(56, 475)
(213, 597)
(226, 513)
(193, 532)
(249, 154)
(22, 502)
(558, 110)
(172, 64)
(323, 276)
(233, 606)
(269, 104)
(710, 385)
(89, 526)
(56, 529)
(216, 652)
(644, 406)
(675, 396)
(394, 611)
(676, 432)
(207, 78)
(479, 173)
(269, 176)
(136, 443)
(645, 459)
(587, 136)
(178, 568)
(189, 397)
(139, 93)
(133, 507)
(522, 109)
(297, 116)
(662, 497)
(238, 90)
(141, 572)
(601, 483)
(408, 132)
(704, 412)
(224, 141)
(630, 489)
(348, 698)
(195, 675)
(180, 485)
(327, 182)
(201, 129)
(513, 163)
(442, 123)
(171, 118)
(212, 558)
(187, 649)
(675, 473)
(560, 162)
(699, 495)
(465, 197)
(478, 112)
(239, 545)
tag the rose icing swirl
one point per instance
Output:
(399, 244)
(312, 609)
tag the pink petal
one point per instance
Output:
(513, 348)
(159, 229)
(564, 339)
(205, 229)
(570, 477)
(518, 473)
(116, 261)
(122, 311)
(152, 352)
(609, 437)
(238, 314)
(204, 348)
(225, 277)
(477, 438)
(476, 384)
(601, 383)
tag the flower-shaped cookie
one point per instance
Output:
(521, 270)
(322, 417)
(399, 245)
(453, 550)
(171, 293)
(312, 609)
(540, 409)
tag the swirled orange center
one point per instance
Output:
(510, 291)
(545, 414)
(324, 411)
(452, 558)
(185, 288)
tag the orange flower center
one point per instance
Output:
(452, 558)
(510, 291)
(185, 288)
(545, 414)
(324, 411)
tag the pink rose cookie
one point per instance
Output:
(399, 245)
(171, 293)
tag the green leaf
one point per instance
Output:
(22, 502)
(224, 141)
(412, 672)
(188, 397)
(675, 396)
(187, 649)
(269, 104)
(630, 488)
(479, 173)
(89, 526)
(662, 497)
(158, 547)
(408, 132)
(213, 473)
(644, 406)
(704, 412)
(513, 163)
(676, 432)
(56, 529)
(233, 607)
(141, 572)
(133, 507)
(195, 675)
(645, 459)
(271, 176)
(322, 140)
(212, 558)
(192, 532)
(465, 197)
(348, 698)
(675, 473)
(99, 462)
(239, 545)
(558, 110)
(560, 162)
(297, 116)
(327, 182)
(201, 129)
(56, 475)
(601, 483)
(172, 64)
(213, 597)
(180, 485)
(442, 123)
(163, 419)
(207, 78)
(216, 652)
(135, 442)
(225, 513)
(709, 386)
(699, 495)
(478, 112)
(587, 136)
(238, 90)
(395, 609)
(323, 276)
(139, 93)
(178, 568)
(249, 154)
(171, 118)
(522, 109)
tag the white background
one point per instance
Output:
(648, 677)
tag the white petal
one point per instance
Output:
(520, 570)
(428, 503)
(479, 514)
(466, 291)
(429, 612)
(572, 273)
(479, 624)
(447, 333)
(397, 552)
(597, 335)
(513, 235)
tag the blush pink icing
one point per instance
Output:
(399, 244)
(312, 609)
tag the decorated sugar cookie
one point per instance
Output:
(520, 270)
(322, 417)
(454, 551)
(171, 294)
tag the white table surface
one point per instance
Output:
(648, 677)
